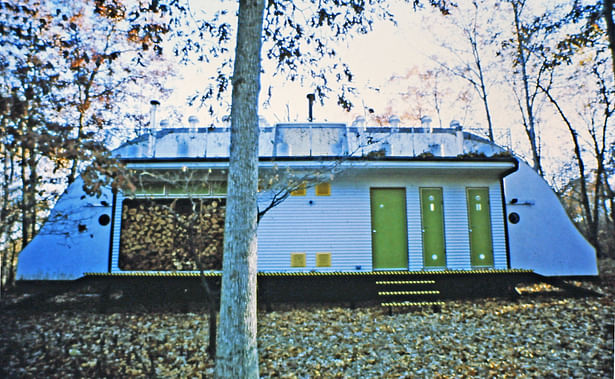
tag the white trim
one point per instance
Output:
(308, 164)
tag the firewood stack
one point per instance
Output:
(171, 234)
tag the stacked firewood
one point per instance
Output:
(172, 234)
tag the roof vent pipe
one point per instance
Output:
(262, 122)
(359, 122)
(426, 122)
(311, 97)
(455, 125)
(194, 122)
(394, 122)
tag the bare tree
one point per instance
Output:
(474, 67)
(592, 107)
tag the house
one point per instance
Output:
(399, 199)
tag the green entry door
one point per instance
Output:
(479, 219)
(389, 228)
(432, 215)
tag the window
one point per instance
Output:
(218, 187)
(323, 189)
(301, 191)
(297, 259)
(323, 259)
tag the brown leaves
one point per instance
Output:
(484, 338)
(117, 345)
(531, 337)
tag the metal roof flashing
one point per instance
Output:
(472, 166)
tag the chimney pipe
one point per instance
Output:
(151, 139)
(311, 98)
(152, 114)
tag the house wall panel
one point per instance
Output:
(456, 228)
(338, 224)
(498, 232)
(117, 228)
(415, 237)
(341, 224)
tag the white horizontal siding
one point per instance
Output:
(341, 224)
(117, 227)
(456, 234)
(415, 237)
(498, 233)
(338, 224)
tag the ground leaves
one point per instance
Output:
(542, 336)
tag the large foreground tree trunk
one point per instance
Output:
(236, 353)
(610, 27)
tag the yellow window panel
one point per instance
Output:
(323, 189)
(297, 259)
(301, 191)
(323, 259)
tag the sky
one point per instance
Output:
(386, 51)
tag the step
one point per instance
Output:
(397, 293)
(412, 303)
(399, 282)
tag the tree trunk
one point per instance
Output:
(33, 206)
(236, 355)
(587, 210)
(25, 193)
(610, 27)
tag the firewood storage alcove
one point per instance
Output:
(172, 234)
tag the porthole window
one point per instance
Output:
(104, 220)
(514, 218)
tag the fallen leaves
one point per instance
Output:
(531, 337)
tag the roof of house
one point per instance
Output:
(314, 141)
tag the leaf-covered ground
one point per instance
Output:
(535, 336)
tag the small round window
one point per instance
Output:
(514, 218)
(104, 220)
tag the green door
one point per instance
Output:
(389, 228)
(479, 219)
(432, 216)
